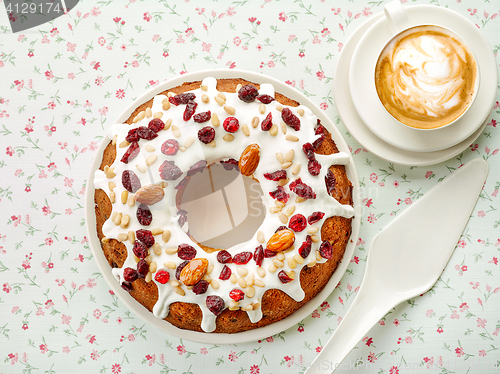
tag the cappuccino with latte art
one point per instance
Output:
(426, 77)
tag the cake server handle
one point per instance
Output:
(369, 306)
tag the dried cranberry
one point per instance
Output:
(181, 266)
(302, 189)
(146, 133)
(276, 176)
(225, 273)
(146, 237)
(320, 130)
(202, 117)
(197, 168)
(314, 167)
(290, 119)
(126, 286)
(224, 257)
(201, 287)
(182, 184)
(283, 277)
(230, 164)
(130, 275)
(315, 217)
(189, 111)
(169, 171)
(267, 123)
(280, 194)
(162, 276)
(170, 147)
(305, 248)
(186, 252)
(131, 153)
(258, 255)
(281, 228)
(265, 99)
(309, 151)
(142, 268)
(326, 250)
(316, 144)
(140, 249)
(182, 98)
(242, 258)
(215, 304)
(206, 134)
(247, 93)
(156, 124)
(268, 253)
(236, 294)
(132, 136)
(144, 215)
(297, 222)
(330, 181)
(182, 219)
(231, 124)
(130, 181)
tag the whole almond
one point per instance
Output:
(149, 194)
(194, 271)
(281, 240)
(249, 159)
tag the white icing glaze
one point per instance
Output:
(165, 212)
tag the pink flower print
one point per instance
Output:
(394, 370)
(316, 40)
(429, 313)
(51, 105)
(373, 177)
(26, 265)
(459, 351)
(119, 320)
(189, 31)
(270, 339)
(259, 47)
(291, 38)
(65, 320)
(71, 76)
(97, 313)
(203, 351)
(123, 47)
(439, 330)
(429, 174)
(408, 201)
(117, 19)
(151, 359)
(230, 11)
(237, 41)
(369, 342)
(481, 214)
(181, 349)
(135, 64)
(482, 353)
(232, 356)
(371, 218)
(43, 348)
(254, 369)
(205, 47)
(271, 64)
(30, 54)
(324, 306)
(147, 17)
(408, 340)
(336, 11)
(70, 47)
(315, 314)
(283, 17)
(320, 75)
(497, 330)
(68, 181)
(455, 315)
(492, 123)
(131, 337)
(325, 32)
(461, 243)
(7, 288)
(116, 369)
(94, 355)
(120, 93)
(156, 37)
(302, 54)
(494, 261)
(300, 329)
(103, 111)
(396, 322)
(323, 106)
(318, 349)
(49, 75)
(101, 41)
(474, 285)
(45, 40)
(481, 323)
(464, 268)
(10, 151)
(95, 11)
(371, 357)
(92, 339)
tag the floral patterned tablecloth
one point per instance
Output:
(61, 86)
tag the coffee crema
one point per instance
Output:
(426, 77)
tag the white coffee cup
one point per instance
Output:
(426, 76)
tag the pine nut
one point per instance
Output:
(125, 221)
(262, 108)
(300, 111)
(299, 199)
(229, 110)
(283, 127)
(228, 137)
(214, 284)
(189, 142)
(280, 256)
(204, 87)
(112, 197)
(118, 219)
(212, 144)
(245, 130)
(158, 115)
(176, 131)
(157, 249)
(207, 278)
(286, 165)
(259, 283)
(141, 116)
(151, 159)
(174, 283)
(215, 119)
(272, 268)
(281, 204)
(291, 263)
(124, 144)
(170, 265)
(168, 123)
(289, 155)
(248, 307)
(166, 235)
(273, 131)
(280, 158)
(149, 114)
(156, 231)
(222, 96)
(278, 263)
(318, 256)
(153, 267)
(121, 237)
(290, 211)
(141, 168)
(149, 277)
(166, 105)
(261, 271)
(149, 148)
(233, 304)
(312, 229)
(210, 268)
(111, 173)
(292, 138)
(179, 291)
(131, 236)
(219, 101)
(283, 218)
(279, 108)
(171, 250)
(250, 292)
(115, 138)
(238, 87)
(205, 99)
(182, 148)
(298, 259)
(242, 283)
(250, 280)
(296, 169)
(315, 238)
(233, 278)
(256, 305)
(255, 122)
(105, 240)
(242, 271)
(260, 237)
(131, 201)
(283, 182)
(274, 209)
(291, 274)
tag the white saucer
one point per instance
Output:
(364, 94)
(370, 140)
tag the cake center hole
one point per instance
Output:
(224, 207)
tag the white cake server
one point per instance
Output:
(406, 258)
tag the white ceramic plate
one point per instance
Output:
(370, 140)
(364, 94)
(246, 336)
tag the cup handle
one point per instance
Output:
(396, 16)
